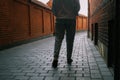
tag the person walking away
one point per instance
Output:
(65, 12)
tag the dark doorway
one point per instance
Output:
(111, 43)
(92, 29)
(96, 34)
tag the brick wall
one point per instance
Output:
(5, 22)
(101, 18)
(82, 23)
(22, 20)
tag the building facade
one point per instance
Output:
(102, 16)
(103, 30)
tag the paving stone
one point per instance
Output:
(5, 73)
(32, 61)
(96, 79)
(32, 74)
(106, 73)
(108, 78)
(61, 75)
(19, 74)
(52, 78)
(92, 64)
(36, 78)
(68, 72)
(104, 69)
(55, 72)
(95, 75)
(28, 71)
(102, 65)
(67, 78)
(86, 75)
(94, 67)
(3, 77)
(83, 71)
(75, 75)
(83, 78)
(43, 75)
(21, 77)
(41, 71)
(95, 71)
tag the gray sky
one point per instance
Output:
(83, 3)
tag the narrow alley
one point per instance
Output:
(32, 61)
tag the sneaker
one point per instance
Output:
(54, 63)
(69, 61)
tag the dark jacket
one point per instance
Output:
(65, 9)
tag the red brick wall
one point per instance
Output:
(94, 4)
(48, 20)
(101, 13)
(22, 20)
(81, 23)
(36, 21)
(5, 22)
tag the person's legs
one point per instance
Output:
(70, 33)
(59, 35)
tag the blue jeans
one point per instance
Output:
(62, 25)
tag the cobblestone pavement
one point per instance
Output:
(32, 61)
